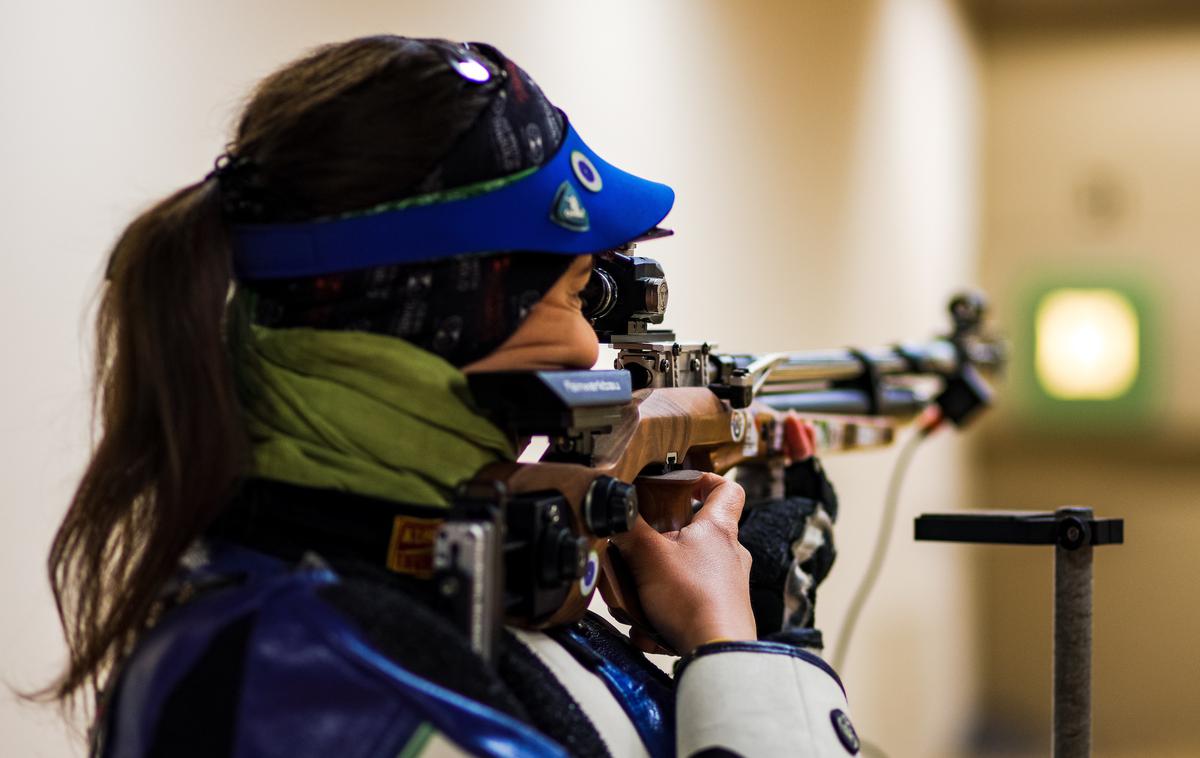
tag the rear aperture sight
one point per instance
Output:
(625, 294)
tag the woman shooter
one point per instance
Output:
(287, 340)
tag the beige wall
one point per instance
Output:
(824, 157)
(1074, 108)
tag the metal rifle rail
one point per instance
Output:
(934, 358)
(883, 381)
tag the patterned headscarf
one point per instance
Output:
(459, 308)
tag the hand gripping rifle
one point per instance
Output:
(634, 440)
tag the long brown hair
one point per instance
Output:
(348, 126)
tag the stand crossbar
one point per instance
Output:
(1074, 532)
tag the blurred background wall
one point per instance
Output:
(841, 169)
(1091, 172)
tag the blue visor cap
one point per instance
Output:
(574, 204)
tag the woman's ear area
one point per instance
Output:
(555, 334)
(581, 269)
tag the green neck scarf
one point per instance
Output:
(361, 412)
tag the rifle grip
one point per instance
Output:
(665, 502)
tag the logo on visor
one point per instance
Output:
(568, 211)
(585, 172)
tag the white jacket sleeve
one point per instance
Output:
(760, 699)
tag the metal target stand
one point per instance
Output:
(1073, 532)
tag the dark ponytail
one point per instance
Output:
(349, 126)
(172, 445)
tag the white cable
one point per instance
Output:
(879, 552)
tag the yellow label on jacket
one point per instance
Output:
(410, 550)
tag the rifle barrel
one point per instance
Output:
(934, 357)
(894, 402)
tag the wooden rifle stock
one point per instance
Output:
(699, 411)
(686, 431)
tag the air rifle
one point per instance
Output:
(634, 440)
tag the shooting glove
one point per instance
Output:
(791, 542)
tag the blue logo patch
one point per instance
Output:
(591, 573)
(568, 210)
(585, 172)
